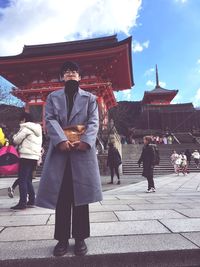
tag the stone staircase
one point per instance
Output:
(184, 138)
(131, 154)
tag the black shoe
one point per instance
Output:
(118, 182)
(110, 183)
(18, 207)
(30, 204)
(61, 248)
(80, 247)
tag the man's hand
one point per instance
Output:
(82, 146)
(65, 146)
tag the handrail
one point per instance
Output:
(176, 138)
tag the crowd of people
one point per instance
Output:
(181, 161)
(167, 139)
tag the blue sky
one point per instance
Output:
(165, 32)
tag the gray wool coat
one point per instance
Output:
(84, 164)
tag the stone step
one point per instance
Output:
(117, 251)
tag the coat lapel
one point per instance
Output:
(62, 106)
(78, 104)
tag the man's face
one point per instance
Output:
(71, 75)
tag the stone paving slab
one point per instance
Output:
(23, 220)
(147, 215)
(99, 208)
(98, 246)
(157, 206)
(5, 211)
(186, 194)
(97, 229)
(182, 225)
(125, 201)
(193, 237)
(27, 233)
(192, 213)
(170, 200)
(33, 211)
(127, 228)
(192, 205)
(115, 207)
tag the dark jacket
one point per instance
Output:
(188, 154)
(147, 158)
(114, 158)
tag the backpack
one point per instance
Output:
(9, 160)
(156, 155)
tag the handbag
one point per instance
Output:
(74, 132)
(9, 160)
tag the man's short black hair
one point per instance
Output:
(27, 116)
(69, 65)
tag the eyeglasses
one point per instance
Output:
(68, 72)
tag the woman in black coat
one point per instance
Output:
(147, 158)
(113, 162)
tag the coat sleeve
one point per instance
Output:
(19, 137)
(53, 127)
(141, 157)
(92, 125)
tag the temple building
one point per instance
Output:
(159, 95)
(105, 63)
(156, 113)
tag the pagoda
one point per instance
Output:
(159, 95)
(105, 63)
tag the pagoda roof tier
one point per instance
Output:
(105, 57)
(159, 95)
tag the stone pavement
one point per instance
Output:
(128, 228)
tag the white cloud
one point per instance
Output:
(196, 100)
(123, 95)
(177, 99)
(149, 72)
(198, 61)
(162, 84)
(139, 47)
(181, 1)
(46, 21)
(151, 83)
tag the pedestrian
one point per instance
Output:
(147, 158)
(188, 156)
(29, 142)
(113, 162)
(196, 157)
(182, 163)
(70, 177)
(174, 158)
(11, 188)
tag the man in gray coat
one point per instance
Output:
(70, 177)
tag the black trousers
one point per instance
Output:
(67, 214)
(150, 182)
(114, 170)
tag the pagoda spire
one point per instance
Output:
(157, 79)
